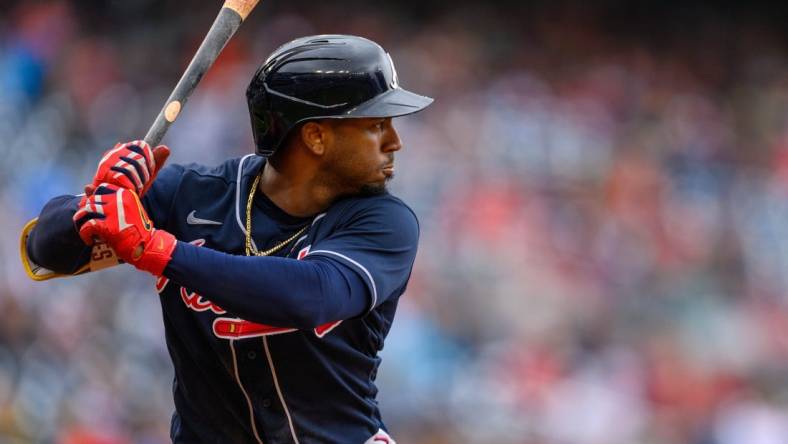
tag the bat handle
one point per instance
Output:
(227, 22)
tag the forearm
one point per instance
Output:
(275, 291)
(54, 243)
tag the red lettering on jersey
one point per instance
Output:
(303, 252)
(162, 281)
(198, 303)
(236, 328)
(323, 330)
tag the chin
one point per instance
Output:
(373, 189)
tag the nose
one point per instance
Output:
(392, 142)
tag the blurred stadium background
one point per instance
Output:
(602, 188)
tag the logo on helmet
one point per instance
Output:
(394, 78)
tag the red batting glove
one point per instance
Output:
(117, 216)
(131, 165)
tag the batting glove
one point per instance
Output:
(117, 216)
(131, 165)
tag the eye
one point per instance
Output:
(378, 125)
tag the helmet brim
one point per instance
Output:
(394, 103)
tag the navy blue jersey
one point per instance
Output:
(273, 349)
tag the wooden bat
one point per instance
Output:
(228, 21)
(225, 25)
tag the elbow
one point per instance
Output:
(308, 316)
(318, 304)
(56, 257)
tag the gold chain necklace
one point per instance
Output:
(276, 247)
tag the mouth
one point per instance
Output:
(388, 170)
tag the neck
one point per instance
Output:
(294, 190)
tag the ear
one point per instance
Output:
(315, 136)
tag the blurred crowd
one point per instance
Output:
(604, 217)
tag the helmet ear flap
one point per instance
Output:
(260, 127)
(291, 136)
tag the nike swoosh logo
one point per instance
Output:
(191, 219)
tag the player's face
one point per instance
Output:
(360, 155)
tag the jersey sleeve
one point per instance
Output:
(50, 245)
(378, 243)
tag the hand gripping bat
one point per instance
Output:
(227, 22)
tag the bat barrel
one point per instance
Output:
(226, 24)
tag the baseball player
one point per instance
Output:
(279, 272)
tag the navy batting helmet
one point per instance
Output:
(324, 76)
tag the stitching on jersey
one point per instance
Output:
(278, 389)
(366, 272)
(297, 242)
(238, 196)
(317, 218)
(248, 401)
(302, 238)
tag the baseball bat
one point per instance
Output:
(228, 21)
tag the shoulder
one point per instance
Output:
(175, 178)
(384, 210)
(228, 171)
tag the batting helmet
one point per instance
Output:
(324, 76)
